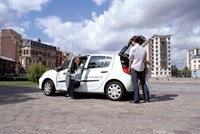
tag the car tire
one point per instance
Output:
(115, 91)
(48, 88)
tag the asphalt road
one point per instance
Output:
(174, 109)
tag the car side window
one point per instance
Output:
(99, 61)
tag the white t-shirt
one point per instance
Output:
(138, 55)
(78, 73)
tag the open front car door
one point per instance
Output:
(63, 75)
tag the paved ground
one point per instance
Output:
(174, 109)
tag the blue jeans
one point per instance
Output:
(73, 84)
(141, 76)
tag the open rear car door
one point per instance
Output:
(124, 53)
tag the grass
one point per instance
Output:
(18, 83)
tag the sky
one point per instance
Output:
(104, 26)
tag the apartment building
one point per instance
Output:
(10, 47)
(159, 55)
(36, 51)
(190, 54)
(195, 65)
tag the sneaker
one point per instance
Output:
(70, 97)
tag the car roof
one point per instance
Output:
(97, 55)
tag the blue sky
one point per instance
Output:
(104, 26)
(67, 10)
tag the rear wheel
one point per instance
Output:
(115, 91)
(49, 88)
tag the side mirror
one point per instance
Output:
(57, 69)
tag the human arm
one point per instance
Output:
(148, 63)
(131, 57)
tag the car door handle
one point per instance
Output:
(104, 71)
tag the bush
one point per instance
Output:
(9, 78)
(35, 71)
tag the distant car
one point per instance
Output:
(103, 73)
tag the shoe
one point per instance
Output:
(147, 101)
(71, 97)
(67, 95)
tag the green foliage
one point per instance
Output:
(186, 71)
(35, 71)
(18, 83)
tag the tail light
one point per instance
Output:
(125, 70)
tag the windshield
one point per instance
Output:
(66, 63)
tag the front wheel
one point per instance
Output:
(115, 91)
(49, 88)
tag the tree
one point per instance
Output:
(175, 70)
(35, 71)
(186, 71)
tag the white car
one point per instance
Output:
(102, 73)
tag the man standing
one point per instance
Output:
(137, 61)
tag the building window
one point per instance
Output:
(22, 61)
(28, 61)
(194, 61)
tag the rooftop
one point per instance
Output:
(6, 58)
(196, 56)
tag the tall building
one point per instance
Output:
(190, 54)
(10, 46)
(159, 55)
(35, 51)
(195, 65)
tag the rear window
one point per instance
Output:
(99, 61)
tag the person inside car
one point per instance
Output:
(75, 77)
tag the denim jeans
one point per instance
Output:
(73, 84)
(141, 76)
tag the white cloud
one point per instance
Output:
(99, 2)
(12, 10)
(110, 31)
(24, 6)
